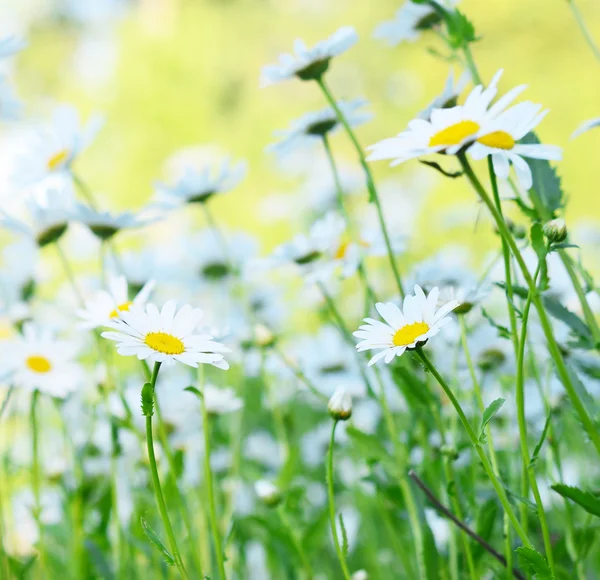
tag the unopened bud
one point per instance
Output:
(267, 492)
(555, 230)
(263, 335)
(340, 405)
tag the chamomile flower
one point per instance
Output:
(309, 63)
(38, 360)
(447, 130)
(404, 328)
(49, 218)
(501, 140)
(10, 45)
(165, 336)
(107, 304)
(54, 147)
(447, 98)
(312, 127)
(104, 224)
(198, 185)
(408, 23)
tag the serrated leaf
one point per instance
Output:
(460, 29)
(503, 332)
(344, 536)
(147, 400)
(530, 212)
(562, 246)
(438, 167)
(488, 414)
(586, 499)
(193, 390)
(538, 447)
(546, 182)
(154, 539)
(557, 310)
(535, 562)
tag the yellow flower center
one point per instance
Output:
(58, 159)
(121, 308)
(409, 333)
(341, 251)
(165, 343)
(498, 139)
(454, 135)
(38, 364)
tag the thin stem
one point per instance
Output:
(471, 64)
(460, 524)
(584, 29)
(370, 294)
(69, 273)
(160, 500)
(374, 197)
(331, 495)
(522, 421)
(475, 442)
(296, 541)
(36, 479)
(208, 479)
(6, 400)
(299, 375)
(553, 347)
(85, 190)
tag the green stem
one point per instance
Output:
(475, 442)
(69, 273)
(332, 522)
(208, 479)
(85, 191)
(36, 480)
(584, 29)
(520, 398)
(374, 197)
(296, 541)
(370, 294)
(553, 347)
(160, 500)
(6, 400)
(471, 64)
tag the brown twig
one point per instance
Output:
(466, 529)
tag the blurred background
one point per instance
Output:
(172, 74)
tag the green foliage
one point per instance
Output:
(586, 499)
(156, 542)
(535, 563)
(538, 243)
(538, 447)
(147, 400)
(344, 535)
(488, 414)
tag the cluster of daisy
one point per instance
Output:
(241, 462)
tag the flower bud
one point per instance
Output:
(267, 492)
(340, 405)
(263, 336)
(555, 230)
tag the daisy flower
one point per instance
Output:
(447, 98)
(309, 63)
(108, 304)
(408, 23)
(10, 45)
(49, 218)
(500, 140)
(38, 360)
(219, 400)
(54, 148)
(198, 185)
(447, 130)
(404, 328)
(104, 224)
(165, 336)
(311, 127)
(585, 127)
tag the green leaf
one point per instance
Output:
(586, 499)
(99, 560)
(538, 447)
(194, 391)
(344, 536)
(535, 562)
(530, 212)
(488, 414)
(413, 389)
(538, 243)
(562, 246)
(147, 400)
(460, 29)
(371, 448)
(560, 312)
(154, 539)
(503, 332)
(546, 182)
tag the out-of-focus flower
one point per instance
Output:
(408, 23)
(38, 360)
(105, 305)
(309, 63)
(165, 336)
(199, 185)
(585, 127)
(219, 400)
(340, 405)
(10, 106)
(267, 492)
(404, 328)
(312, 127)
(447, 98)
(104, 224)
(10, 45)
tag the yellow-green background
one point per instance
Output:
(188, 73)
